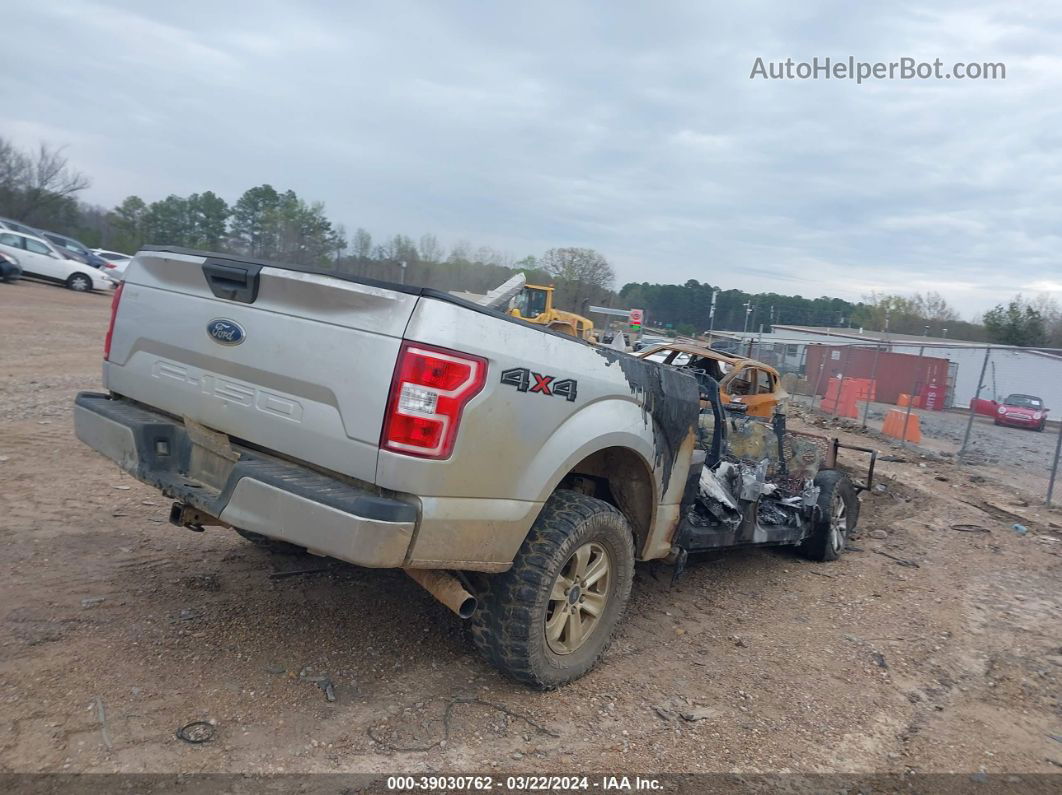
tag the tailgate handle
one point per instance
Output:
(232, 282)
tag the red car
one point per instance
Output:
(1022, 411)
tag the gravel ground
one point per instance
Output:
(1017, 456)
(990, 443)
(926, 648)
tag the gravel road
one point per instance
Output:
(941, 653)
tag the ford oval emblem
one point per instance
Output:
(225, 332)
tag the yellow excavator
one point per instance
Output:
(534, 303)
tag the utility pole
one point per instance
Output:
(711, 317)
(748, 311)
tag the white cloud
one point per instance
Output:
(635, 130)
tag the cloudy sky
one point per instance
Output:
(632, 128)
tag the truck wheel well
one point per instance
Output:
(619, 477)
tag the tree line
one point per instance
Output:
(41, 188)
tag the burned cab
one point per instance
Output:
(756, 482)
(741, 379)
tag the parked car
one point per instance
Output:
(40, 258)
(78, 248)
(536, 466)
(66, 253)
(114, 262)
(10, 270)
(741, 380)
(1022, 411)
(648, 341)
(18, 226)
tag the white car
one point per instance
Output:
(39, 258)
(116, 262)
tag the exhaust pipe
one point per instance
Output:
(446, 588)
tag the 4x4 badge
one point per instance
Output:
(547, 385)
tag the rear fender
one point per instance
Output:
(606, 423)
(618, 424)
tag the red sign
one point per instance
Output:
(636, 317)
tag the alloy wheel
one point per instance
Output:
(578, 598)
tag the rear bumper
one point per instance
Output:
(261, 493)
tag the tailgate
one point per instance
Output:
(295, 362)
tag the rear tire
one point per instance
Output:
(79, 283)
(838, 516)
(548, 619)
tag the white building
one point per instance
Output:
(1029, 371)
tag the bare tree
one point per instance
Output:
(934, 307)
(578, 265)
(14, 167)
(430, 250)
(362, 245)
(340, 241)
(461, 252)
(35, 184)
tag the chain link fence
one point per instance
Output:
(996, 408)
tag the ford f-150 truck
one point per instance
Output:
(516, 473)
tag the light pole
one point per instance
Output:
(711, 318)
(402, 271)
(748, 311)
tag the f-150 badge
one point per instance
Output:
(527, 381)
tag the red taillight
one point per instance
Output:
(429, 391)
(114, 313)
(109, 265)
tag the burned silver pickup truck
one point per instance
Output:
(516, 473)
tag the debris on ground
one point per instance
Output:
(101, 716)
(279, 575)
(92, 601)
(196, 732)
(328, 688)
(902, 561)
(1002, 514)
(699, 713)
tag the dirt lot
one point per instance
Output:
(990, 444)
(941, 653)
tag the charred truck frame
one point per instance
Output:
(761, 484)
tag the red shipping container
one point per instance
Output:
(896, 373)
(933, 397)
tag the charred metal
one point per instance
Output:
(668, 397)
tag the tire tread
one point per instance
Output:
(499, 628)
